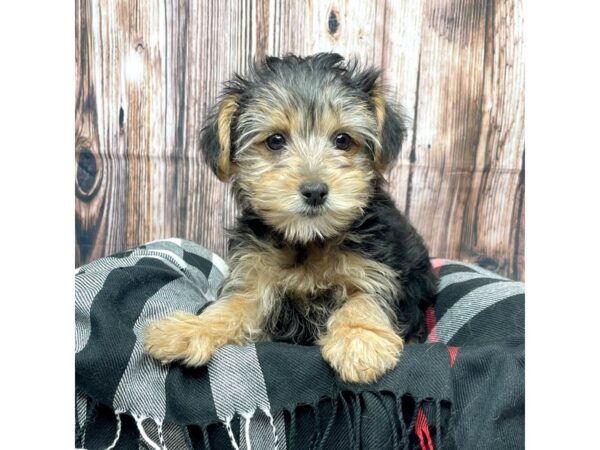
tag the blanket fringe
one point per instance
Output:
(410, 422)
(205, 438)
(88, 418)
(246, 438)
(389, 415)
(329, 424)
(118, 433)
(267, 412)
(247, 419)
(81, 417)
(139, 420)
(438, 424)
(227, 424)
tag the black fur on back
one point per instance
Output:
(385, 235)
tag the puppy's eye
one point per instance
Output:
(275, 141)
(343, 141)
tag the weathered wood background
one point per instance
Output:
(148, 70)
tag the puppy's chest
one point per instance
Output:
(311, 283)
(312, 272)
(325, 270)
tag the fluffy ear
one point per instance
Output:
(216, 138)
(391, 130)
(390, 125)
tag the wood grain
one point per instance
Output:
(147, 72)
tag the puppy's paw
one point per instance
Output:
(361, 355)
(181, 336)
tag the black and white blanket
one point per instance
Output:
(464, 388)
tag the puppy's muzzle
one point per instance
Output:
(314, 194)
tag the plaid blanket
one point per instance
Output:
(464, 388)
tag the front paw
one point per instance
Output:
(361, 355)
(181, 336)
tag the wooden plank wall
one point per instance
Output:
(148, 70)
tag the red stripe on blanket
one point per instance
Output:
(422, 431)
(430, 323)
(430, 320)
(437, 264)
(453, 353)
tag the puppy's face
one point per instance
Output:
(305, 139)
(303, 162)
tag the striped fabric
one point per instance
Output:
(461, 389)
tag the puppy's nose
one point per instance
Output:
(314, 194)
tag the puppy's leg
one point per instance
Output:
(194, 339)
(360, 342)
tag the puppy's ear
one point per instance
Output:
(216, 138)
(391, 130)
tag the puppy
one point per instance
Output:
(320, 254)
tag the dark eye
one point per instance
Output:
(343, 141)
(275, 141)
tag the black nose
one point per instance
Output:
(314, 194)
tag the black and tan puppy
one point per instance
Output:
(319, 254)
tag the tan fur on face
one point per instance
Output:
(271, 179)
